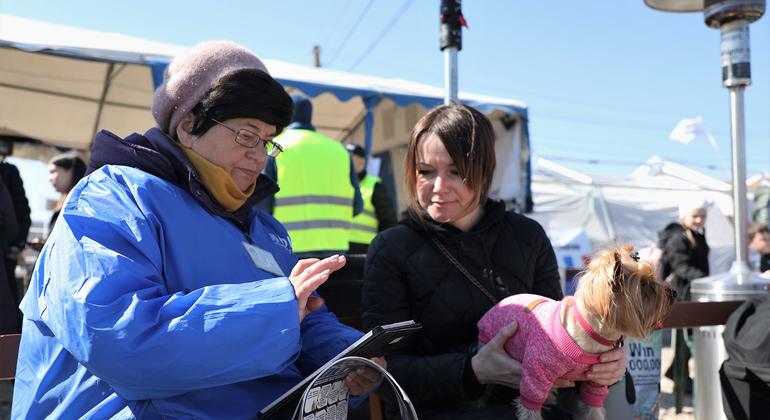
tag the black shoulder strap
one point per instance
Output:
(462, 269)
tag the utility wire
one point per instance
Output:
(331, 29)
(351, 31)
(724, 170)
(382, 34)
(662, 122)
(596, 151)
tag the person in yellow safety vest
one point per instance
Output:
(319, 196)
(378, 213)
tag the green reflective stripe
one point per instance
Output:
(313, 199)
(365, 228)
(313, 212)
(315, 224)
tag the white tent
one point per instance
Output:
(630, 208)
(60, 84)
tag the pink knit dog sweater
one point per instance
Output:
(543, 346)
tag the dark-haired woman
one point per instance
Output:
(64, 172)
(456, 254)
(162, 292)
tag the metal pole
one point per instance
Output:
(450, 42)
(732, 18)
(736, 75)
(316, 56)
(737, 135)
(450, 75)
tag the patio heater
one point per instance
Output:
(451, 41)
(732, 18)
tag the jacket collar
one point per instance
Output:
(494, 211)
(300, 125)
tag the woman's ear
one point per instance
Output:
(184, 129)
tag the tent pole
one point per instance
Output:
(606, 213)
(157, 69)
(105, 89)
(370, 102)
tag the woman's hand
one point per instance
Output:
(307, 276)
(492, 365)
(364, 379)
(610, 369)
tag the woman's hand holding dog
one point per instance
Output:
(611, 368)
(492, 365)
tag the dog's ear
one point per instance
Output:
(597, 287)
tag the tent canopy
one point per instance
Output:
(61, 84)
(31, 49)
(630, 208)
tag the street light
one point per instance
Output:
(732, 18)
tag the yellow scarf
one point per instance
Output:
(219, 182)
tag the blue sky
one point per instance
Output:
(605, 81)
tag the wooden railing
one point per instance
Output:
(9, 350)
(700, 314)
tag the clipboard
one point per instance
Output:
(380, 341)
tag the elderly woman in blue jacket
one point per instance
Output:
(162, 292)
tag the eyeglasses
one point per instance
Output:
(248, 139)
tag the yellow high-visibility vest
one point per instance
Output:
(363, 228)
(315, 202)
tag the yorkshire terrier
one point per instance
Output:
(617, 296)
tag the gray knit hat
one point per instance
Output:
(190, 76)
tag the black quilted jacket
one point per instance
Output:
(407, 277)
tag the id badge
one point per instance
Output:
(263, 259)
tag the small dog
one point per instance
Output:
(617, 296)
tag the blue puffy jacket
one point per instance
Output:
(147, 302)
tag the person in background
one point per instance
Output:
(13, 245)
(759, 241)
(319, 195)
(378, 213)
(64, 172)
(163, 292)
(457, 254)
(685, 258)
(9, 314)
